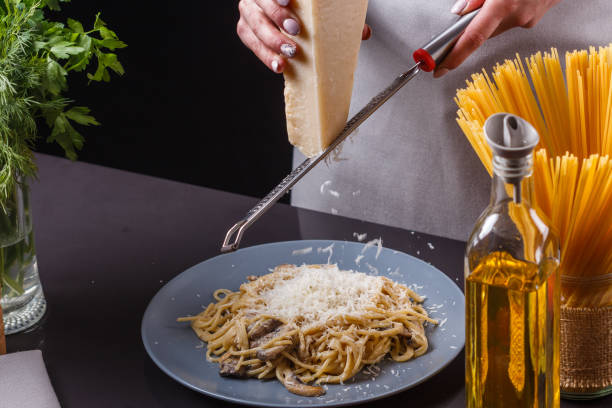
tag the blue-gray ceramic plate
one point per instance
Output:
(180, 354)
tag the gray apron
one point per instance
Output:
(409, 165)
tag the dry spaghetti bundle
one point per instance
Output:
(573, 168)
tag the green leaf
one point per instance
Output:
(111, 61)
(99, 23)
(38, 16)
(75, 26)
(65, 50)
(85, 42)
(66, 136)
(99, 71)
(53, 4)
(112, 44)
(56, 77)
(107, 34)
(50, 115)
(39, 45)
(80, 114)
(55, 39)
(80, 62)
(51, 29)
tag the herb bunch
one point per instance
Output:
(36, 56)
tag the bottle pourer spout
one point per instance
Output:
(512, 140)
(510, 136)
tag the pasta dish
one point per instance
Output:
(311, 324)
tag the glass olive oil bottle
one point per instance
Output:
(512, 284)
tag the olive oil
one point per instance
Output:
(512, 345)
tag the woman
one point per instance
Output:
(410, 166)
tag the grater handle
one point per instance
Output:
(432, 54)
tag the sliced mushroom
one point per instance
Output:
(229, 368)
(272, 353)
(260, 329)
(294, 385)
(268, 337)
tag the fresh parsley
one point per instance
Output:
(36, 56)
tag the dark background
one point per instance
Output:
(194, 105)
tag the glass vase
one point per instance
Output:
(586, 336)
(23, 302)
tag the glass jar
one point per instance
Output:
(23, 302)
(586, 336)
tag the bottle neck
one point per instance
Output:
(512, 180)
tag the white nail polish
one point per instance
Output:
(275, 66)
(283, 3)
(459, 6)
(288, 50)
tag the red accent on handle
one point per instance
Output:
(427, 63)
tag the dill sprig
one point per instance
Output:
(36, 56)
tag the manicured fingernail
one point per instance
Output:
(367, 33)
(291, 26)
(440, 72)
(283, 3)
(459, 6)
(275, 66)
(288, 50)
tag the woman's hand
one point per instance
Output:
(495, 17)
(263, 28)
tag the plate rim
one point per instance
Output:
(240, 401)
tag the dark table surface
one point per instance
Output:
(108, 240)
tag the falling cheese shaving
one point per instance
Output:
(370, 244)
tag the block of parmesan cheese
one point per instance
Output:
(319, 80)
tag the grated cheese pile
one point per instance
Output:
(318, 294)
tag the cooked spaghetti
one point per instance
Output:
(311, 324)
(572, 169)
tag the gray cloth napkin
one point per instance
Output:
(24, 382)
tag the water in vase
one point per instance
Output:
(23, 303)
